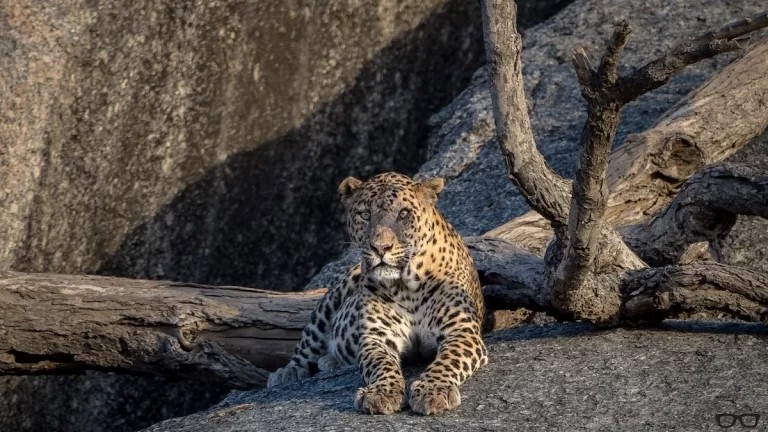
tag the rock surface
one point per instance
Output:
(186, 141)
(544, 378)
(98, 401)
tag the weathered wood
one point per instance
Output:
(656, 293)
(544, 190)
(53, 323)
(578, 285)
(515, 278)
(704, 211)
(646, 171)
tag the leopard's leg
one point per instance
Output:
(383, 337)
(461, 351)
(315, 337)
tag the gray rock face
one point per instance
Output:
(189, 141)
(544, 378)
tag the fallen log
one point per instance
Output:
(53, 323)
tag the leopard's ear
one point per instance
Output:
(431, 188)
(348, 187)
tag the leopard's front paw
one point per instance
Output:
(379, 399)
(327, 362)
(433, 398)
(287, 374)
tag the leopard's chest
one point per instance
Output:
(406, 320)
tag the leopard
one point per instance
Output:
(414, 294)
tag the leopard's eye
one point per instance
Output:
(364, 215)
(404, 213)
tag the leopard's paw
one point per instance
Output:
(327, 362)
(429, 398)
(287, 374)
(379, 399)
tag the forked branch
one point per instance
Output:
(580, 277)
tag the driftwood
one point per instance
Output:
(592, 271)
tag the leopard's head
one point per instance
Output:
(390, 218)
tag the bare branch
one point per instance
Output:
(704, 210)
(609, 65)
(579, 275)
(737, 28)
(660, 71)
(584, 69)
(576, 274)
(543, 189)
(658, 293)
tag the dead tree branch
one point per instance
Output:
(544, 190)
(704, 211)
(657, 293)
(646, 171)
(575, 286)
(730, 37)
(589, 259)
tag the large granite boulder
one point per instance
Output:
(203, 141)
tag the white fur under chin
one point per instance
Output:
(386, 274)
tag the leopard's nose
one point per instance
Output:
(381, 248)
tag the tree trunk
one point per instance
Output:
(53, 323)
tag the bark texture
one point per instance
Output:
(229, 335)
(704, 211)
(542, 187)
